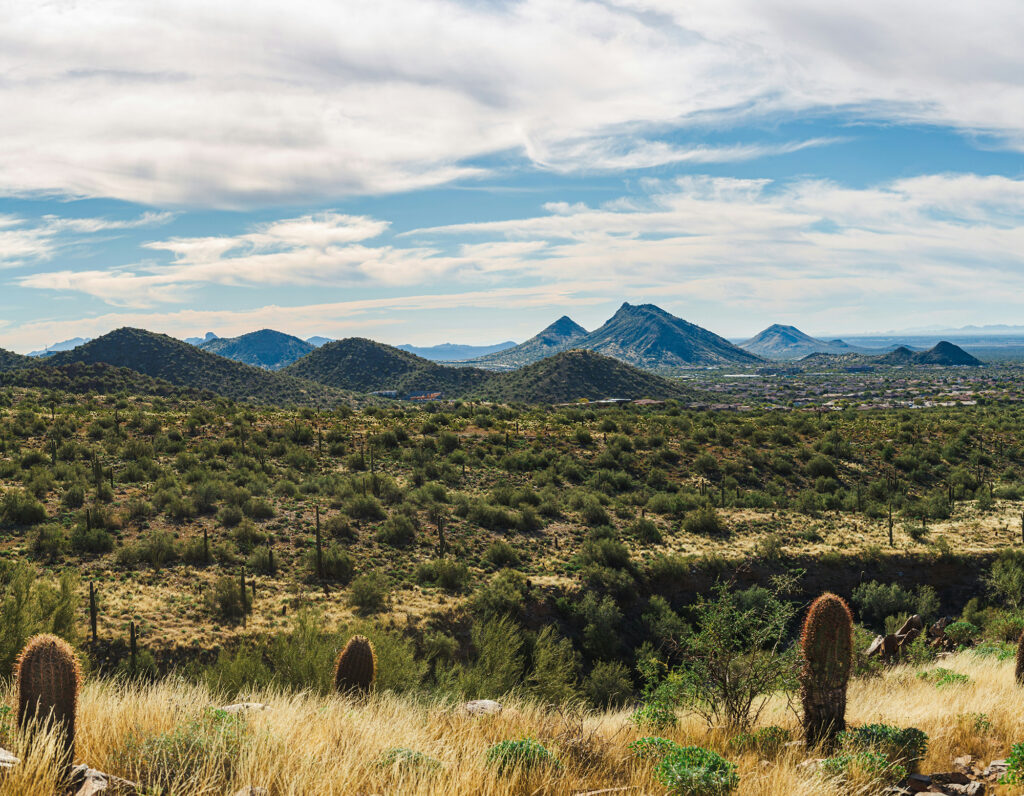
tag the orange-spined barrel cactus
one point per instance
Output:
(826, 644)
(1019, 671)
(356, 667)
(48, 678)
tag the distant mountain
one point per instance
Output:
(317, 341)
(368, 366)
(452, 352)
(184, 365)
(648, 337)
(575, 374)
(11, 361)
(263, 349)
(788, 342)
(64, 345)
(200, 340)
(559, 336)
(944, 353)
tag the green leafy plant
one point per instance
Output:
(695, 771)
(766, 741)
(903, 745)
(652, 748)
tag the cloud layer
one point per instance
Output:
(262, 103)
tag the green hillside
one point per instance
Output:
(576, 374)
(263, 349)
(98, 377)
(368, 366)
(11, 361)
(184, 365)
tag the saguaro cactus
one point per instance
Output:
(356, 667)
(826, 644)
(48, 679)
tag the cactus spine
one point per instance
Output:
(826, 644)
(48, 679)
(356, 667)
(1019, 670)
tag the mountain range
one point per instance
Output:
(943, 354)
(559, 336)
(453, 352)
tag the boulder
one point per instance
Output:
(875, 647)
(245, 707)
(7, 760)
(914, 623)
(87, 781)
(482, 707)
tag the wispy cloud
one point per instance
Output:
(23, 240)
(242, 103)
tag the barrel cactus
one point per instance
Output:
(1019, 670)
(826, 645)
(48, 679)
(356, 667)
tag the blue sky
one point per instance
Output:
(423, 171)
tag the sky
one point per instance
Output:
(419, 171)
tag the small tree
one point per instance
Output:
(735, 658)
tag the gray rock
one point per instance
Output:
(245, 707)
(482, 707)
(7, 760)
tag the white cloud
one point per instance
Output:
(245, 103)
(23, 240)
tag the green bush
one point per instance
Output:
(961, 633)
(863, 765)
(501, 554)
(227, 600)
(903, 745)
(608, 685)
(398, 531)
(652, 748)
(695, 771)
(49, 543)
(452, 576)
(703, 522)
(524, 754)
(369, 592)
(21, 508)
(941, 677)
(1014, 766)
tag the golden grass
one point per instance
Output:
(306, 744)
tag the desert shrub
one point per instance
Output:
(258, 509)
(524, 754)
(247, 536)
(337, 563)
(365, 508)
(652, 748)
(820, 467)
(608, 685)
(398, 531)
(864, 765)
(452, 576)
(877, 601)
(260, 560)
(736, 657)
(30, 604)
(500, 554)
(1014, 766)
(703, 522)
(21, 508)
(601, 618)
(230, 516)
(646, 531)
(95, 540)
(227, 600)
(74, 496)
(961, 633)
(503, 595)
(369, 592)
(338, 527)
(904, 745)
(695, 771)
(1006, 578)
(49, 542)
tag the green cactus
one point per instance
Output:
(48, 680)
(356, 667)
(826, 644)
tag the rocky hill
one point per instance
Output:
(562, 335)
(184, 365)
(98, 377)
(788, 342)
(647, 337)
(575, 374)
(368, 366)
(944, 354)
(265, 349)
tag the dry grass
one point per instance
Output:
(306, 744)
